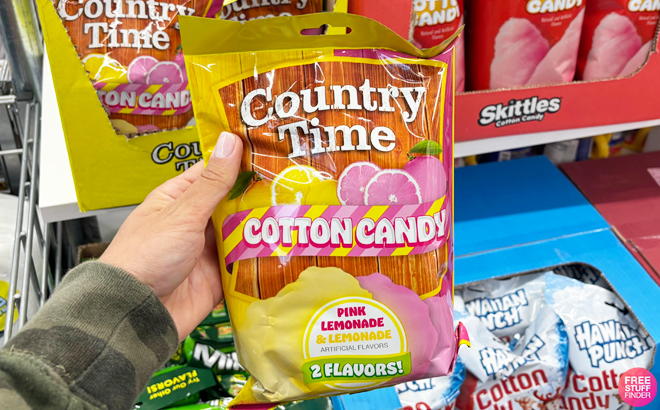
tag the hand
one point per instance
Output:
(168, 244)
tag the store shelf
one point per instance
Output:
(541, 114)
(481, 146)
(58, 201)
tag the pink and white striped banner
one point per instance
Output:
(145, 99)
(335, 230)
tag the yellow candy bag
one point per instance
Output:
(336, 243)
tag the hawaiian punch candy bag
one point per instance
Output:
(508, 306)
(436, 393)
(583, 273)
(604, 342)
(247, 10)
(336, 243)
(526, 374)
(616, 37)
(435, 22)
(514, 43)
(131, 50)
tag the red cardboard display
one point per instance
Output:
(573, 105)
(626, 191)
(567, 106)
(395, 14)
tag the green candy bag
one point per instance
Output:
(218, 315)
(219, 335)
(221, 360)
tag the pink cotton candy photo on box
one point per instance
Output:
(616, 37)
(515, 43)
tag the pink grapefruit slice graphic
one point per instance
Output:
(392, 187)
(139, 68)
(353, 181)
(165, 72)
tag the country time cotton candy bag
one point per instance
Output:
(604, 342)
(336, 243)
(616, 37)
(516, 43)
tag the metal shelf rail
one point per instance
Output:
(20, 76)
(24, 238)
(28, 230)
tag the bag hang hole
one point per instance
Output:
(325, 29)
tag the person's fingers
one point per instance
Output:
(213, 184)
(173, 188)
(210, 253)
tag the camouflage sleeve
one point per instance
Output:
(93, 345)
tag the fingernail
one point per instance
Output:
(225, 145)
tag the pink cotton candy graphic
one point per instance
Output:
(519, 48)
(615, 42)
(414, 316)
(147, 128)
(638, 59)
(441, 310)
(558, 66)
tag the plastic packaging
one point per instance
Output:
(528, 373)
(336, 243)
(568, 151)
(131, 51)
(583, 273)
(203, 355)
(635, 142)
(515, 43)
(435, 22)
(506, 307)
(437, 393)
(218, 336)
(508, 155)
(604, 342)
(608, 145)
(174, 386)
(218, 315)
(616, 37)
(247, 10)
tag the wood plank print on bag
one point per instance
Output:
(265, 277)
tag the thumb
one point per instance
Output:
(213, 184)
